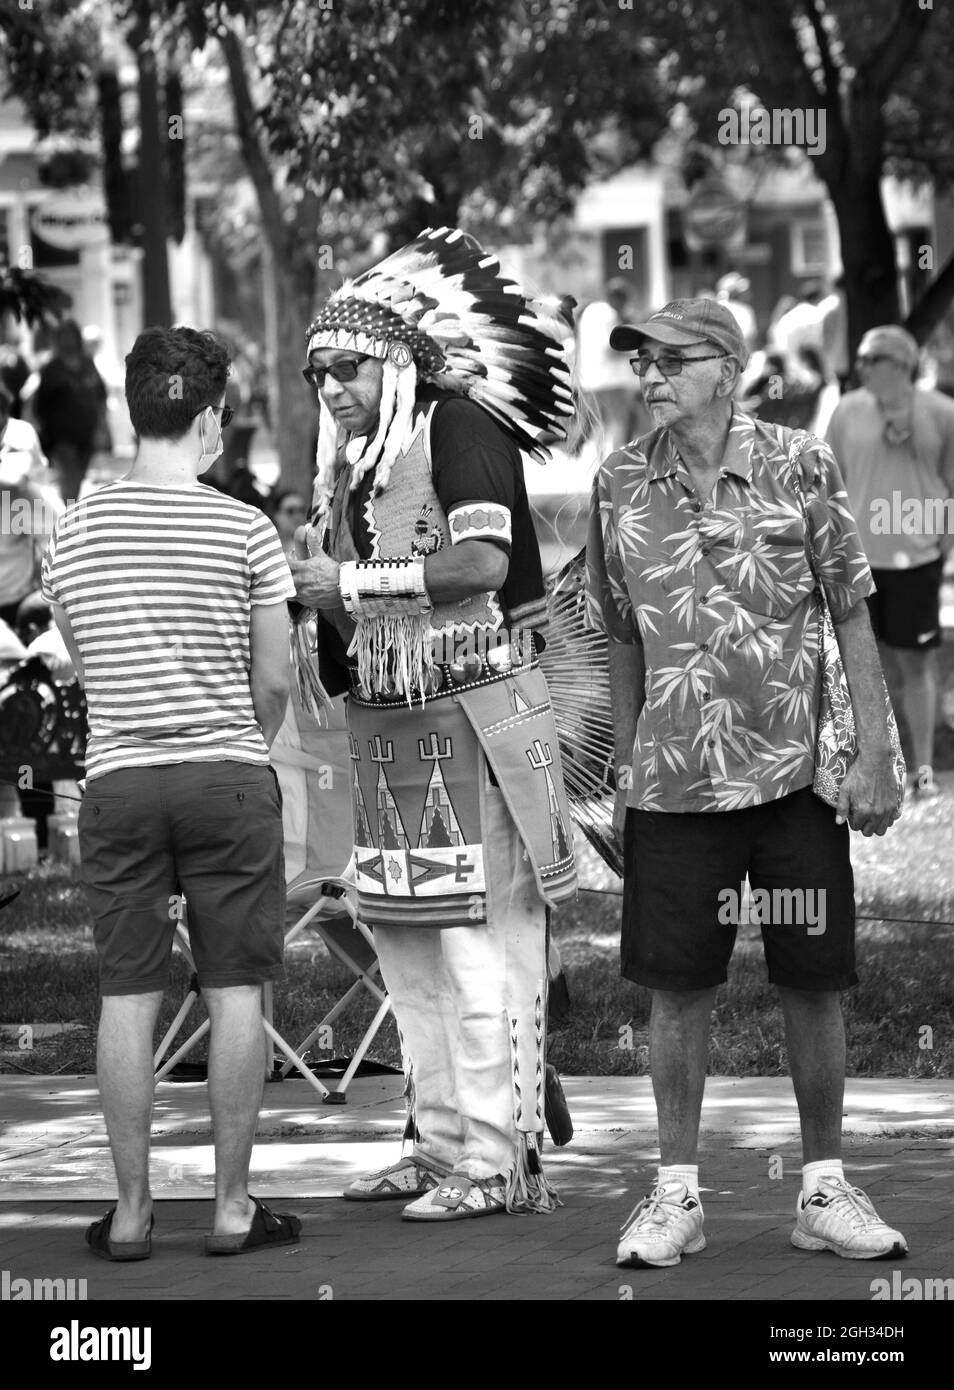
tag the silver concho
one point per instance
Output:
(433, 680)
(500, 659)
(466, 668)
(400, 354)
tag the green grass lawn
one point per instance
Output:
(48, 975)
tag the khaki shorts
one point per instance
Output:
(210, 831)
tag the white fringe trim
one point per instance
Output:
(312, 695)
(394, 652)
(528, 1191)
(326, 455)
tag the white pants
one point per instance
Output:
(454, 991)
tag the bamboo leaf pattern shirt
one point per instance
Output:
(720, 594)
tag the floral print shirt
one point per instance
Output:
(721, 596)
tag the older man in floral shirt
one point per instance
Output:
(699, 574)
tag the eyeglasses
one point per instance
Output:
(669, 364)
(873, 361)
(293, 507)
(227, 413)
(341, 371)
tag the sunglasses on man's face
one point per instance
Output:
(669, 363)
(873, 361)
(340, 371)
(227, 413)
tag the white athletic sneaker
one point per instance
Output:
(842, 1218)
(664, 1226)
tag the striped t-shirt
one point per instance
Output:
(158, 584)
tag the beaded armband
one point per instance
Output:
(479, 521)
(382, 588)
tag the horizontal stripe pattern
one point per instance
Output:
(158, 584)
(382, 910)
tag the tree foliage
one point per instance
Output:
(414, 111)
(28, 296)
(48, 57)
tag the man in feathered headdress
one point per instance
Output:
(434, 372)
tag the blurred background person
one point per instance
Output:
(895, 445)
(232, 474)
(730, 291)
(116, 438)
(14, 367)
(785, 388)
(800, 326)
(287, 509)
(69, 407)
(605, 379)
(833, 312)
(27, 514)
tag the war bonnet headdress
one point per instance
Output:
(439, 310)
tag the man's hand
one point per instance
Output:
(868, 800)
(624, 780)
(619, 817)
(316, 582)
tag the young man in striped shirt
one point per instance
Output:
(171, 600)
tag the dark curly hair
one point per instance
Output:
(172, 374)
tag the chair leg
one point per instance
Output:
(180, 1018)
(187, 1046)
(268, 1015)
(366, 1042)
(295, 1060)
(328, 1019)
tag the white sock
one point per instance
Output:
(823, 1168)
(687, 1173)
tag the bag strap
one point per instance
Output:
(797, 445)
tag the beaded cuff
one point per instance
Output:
(382, 588)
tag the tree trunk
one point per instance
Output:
(157, 304)
(296, 423)
(289, 280)
(115, 178)
(933, 304)
(175, 156)
(868, 257)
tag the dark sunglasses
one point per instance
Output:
(227, 413)
(341, 371)
(668, 363)
(873, 361)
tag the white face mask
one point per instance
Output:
(208, 456)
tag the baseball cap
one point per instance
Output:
(685, 323)
(892, 341)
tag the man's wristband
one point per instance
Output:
(376, 588)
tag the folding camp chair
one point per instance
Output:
(313, 764)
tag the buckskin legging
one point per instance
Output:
(460, 995)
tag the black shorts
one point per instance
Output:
(684, 875)
(210, 831)
(905, 607)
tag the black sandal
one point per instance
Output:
(267, 1228)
